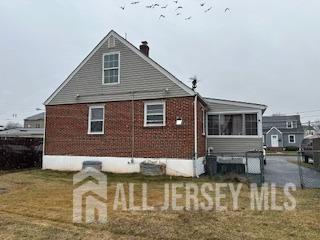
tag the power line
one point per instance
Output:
(308, 111)
(310, 116)
(311, 122)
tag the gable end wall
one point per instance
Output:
(136, 74)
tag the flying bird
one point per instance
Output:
(165, 6)
(180, 7)
(162, 16)
(175, 2)
(155, 5)
(122, 7)
(135, 2)
(207, 10)
(178, 14)
(227, 9)
(202, 4)
(188, 18)
(149, 6)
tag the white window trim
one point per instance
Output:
(103, 68)
(89, 120)
(145, 114)
(294, 138)
(291, 124)
(259, 120)
(203, 122)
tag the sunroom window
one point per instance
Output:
(232, 124)
(251, 124)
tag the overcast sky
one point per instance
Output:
(263, 51)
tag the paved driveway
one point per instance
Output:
(280, 171)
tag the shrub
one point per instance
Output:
(292, 148)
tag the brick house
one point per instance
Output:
(121, 108)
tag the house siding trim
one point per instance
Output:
(275, 129)
(237, 103)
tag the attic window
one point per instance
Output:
(111, 42)
(111, 68)
(289, 124)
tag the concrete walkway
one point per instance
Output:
(280, 170)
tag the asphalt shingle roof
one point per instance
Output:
(39, 116)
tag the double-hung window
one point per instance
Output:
(289, 124)
(292, 138)
(154, 114)
(111, 68)
(96, 120)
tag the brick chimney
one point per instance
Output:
(144, 48)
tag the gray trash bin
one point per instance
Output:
(211, 162)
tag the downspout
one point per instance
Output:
(195, 136)
(132, 130)
(44, 135)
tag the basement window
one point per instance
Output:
(111, 68)
(154, 114)
(96, 120)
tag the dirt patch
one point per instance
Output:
(3, 190)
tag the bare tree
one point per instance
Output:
(12, 125)
(316, 125)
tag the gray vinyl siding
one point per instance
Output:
(274, 132)
(234, 145)
(219, 107)
(34, 123)
(135, 75)
(299, 138)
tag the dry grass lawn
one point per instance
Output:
(38, 205)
